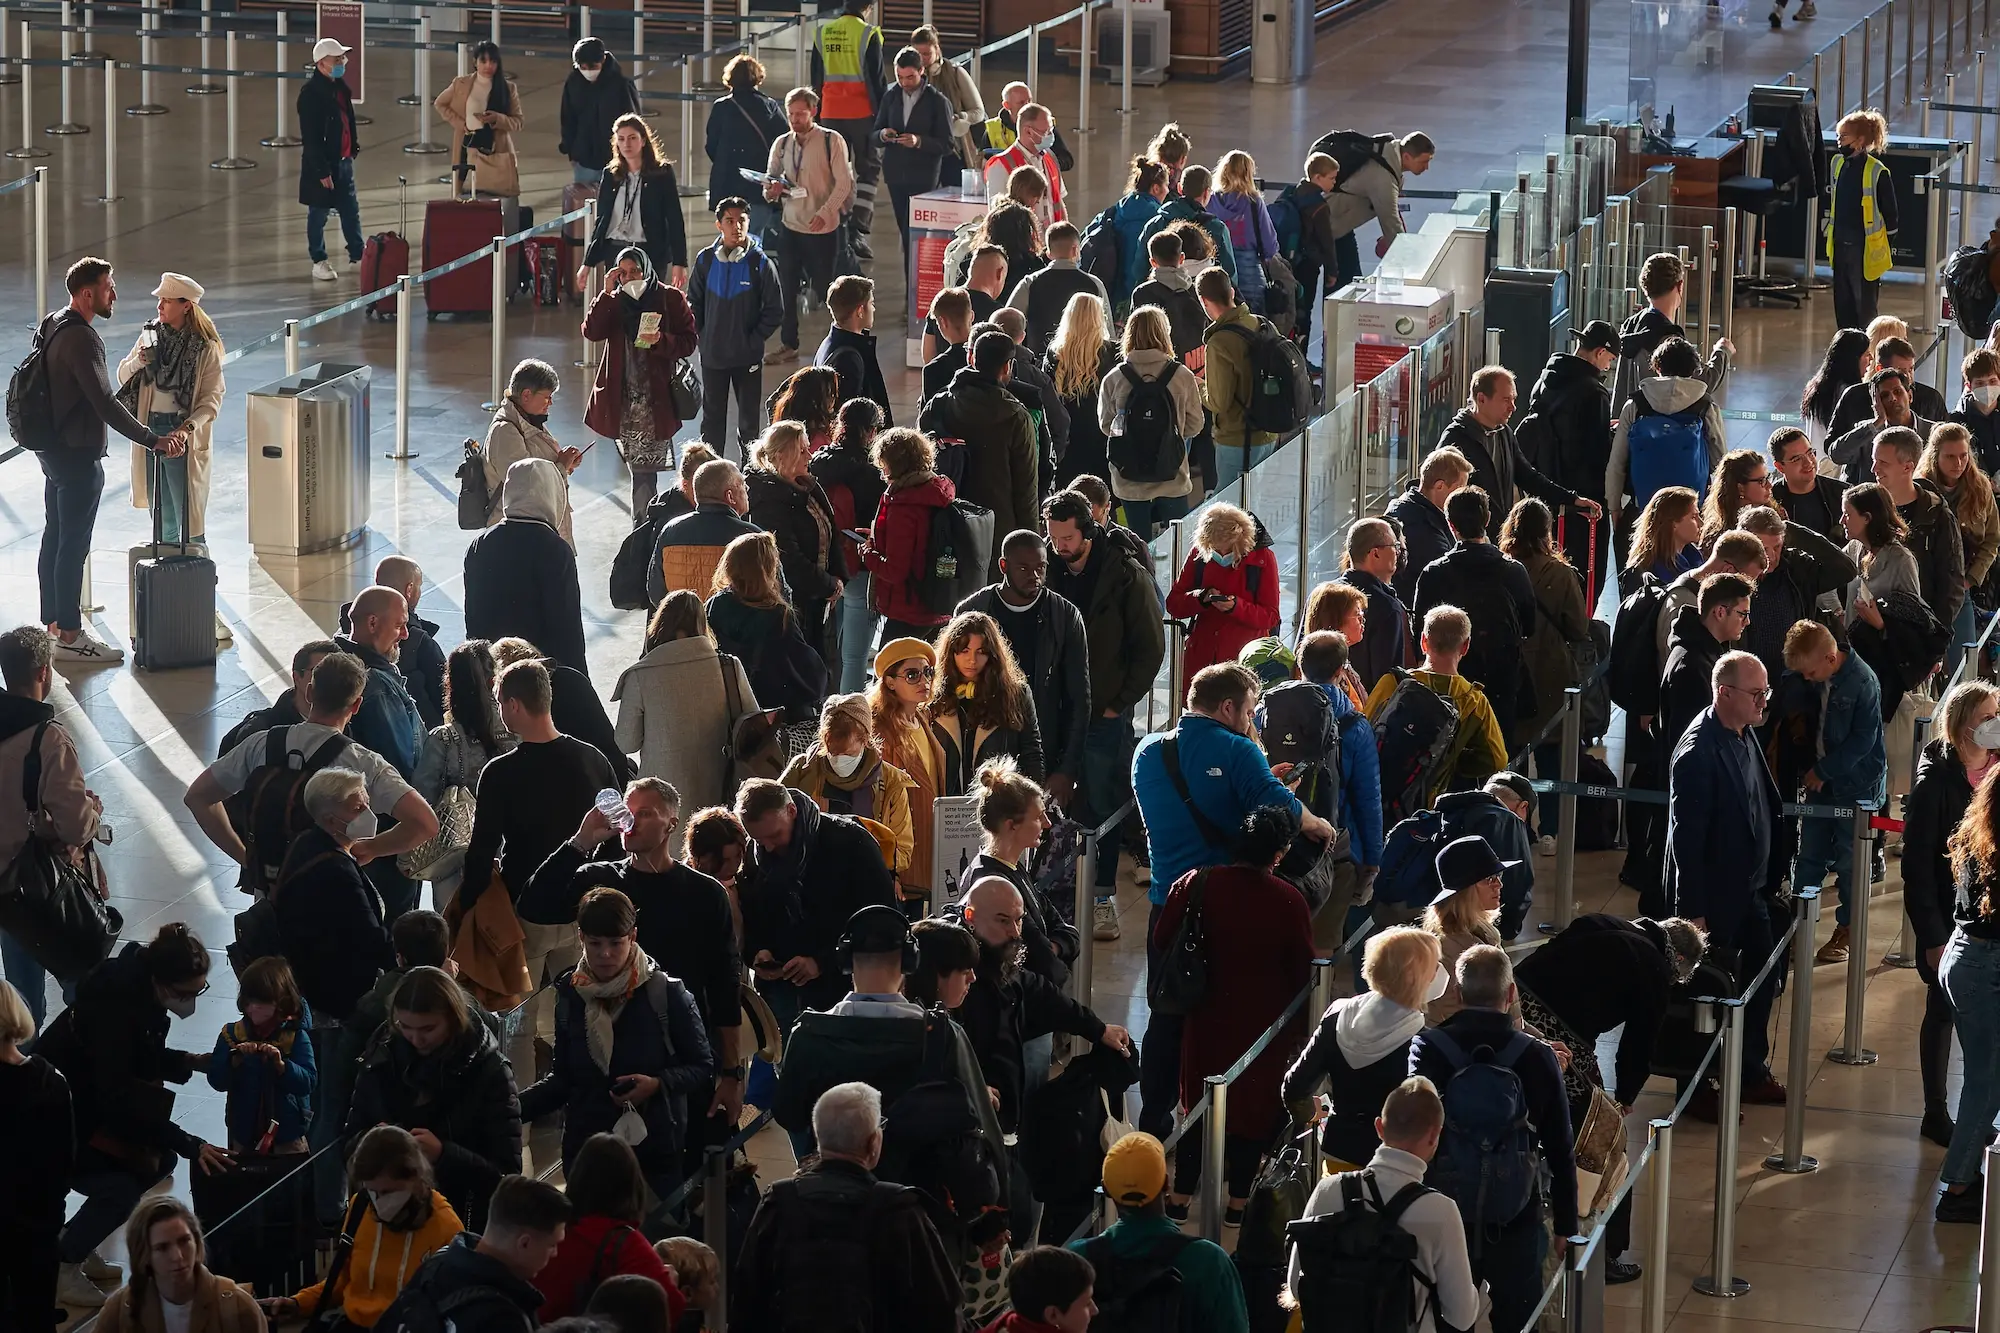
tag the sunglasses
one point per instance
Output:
(917, 675)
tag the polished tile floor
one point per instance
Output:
(1851, 1247)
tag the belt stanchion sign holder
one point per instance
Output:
(28, 148)
(149, 24)
(234, 161)
(281, 137)
(207, 53)
(8, 73)
(110, 195)
(422, 57)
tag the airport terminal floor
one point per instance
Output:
(1851, 1246)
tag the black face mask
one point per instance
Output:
(535, 419)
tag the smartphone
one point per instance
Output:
(854, 534)
(624, 1085)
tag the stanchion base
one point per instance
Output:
(426, 147)
(204, 89)
(360, 119)
(288, 141)
(67, 127)
(233, 163)
(408, 99)
(27, 151)
(1776, 1162)
(146, 109)
(8, 80)
(106, 198)
(1898, 960)
(1707, 1287)
(489, 407)
(1843, 1057)
(398, 458)
(89, 55)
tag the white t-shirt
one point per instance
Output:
(176, 1318)
(385, 784)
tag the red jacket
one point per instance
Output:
(1219, 635)
(571, 1266)
(605, 323)
(898, 543)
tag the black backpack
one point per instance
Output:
(822, 1248)
(1299, 726)
(1353, 150)
(1139, 1293)
(1281, 389)
(931, 1142)
(956, 556)
(634, 561)
(1488, 1159)
(1412, 737)
(421, 1310)
(1151, 448)
(1358, 1269)
(1633, 678)
(1496, 641)
(276, 801)
(31, 412)
(1099, 255)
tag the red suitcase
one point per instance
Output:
(384, 258)
(452, 228)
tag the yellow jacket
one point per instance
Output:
(382, 1263)
(1478, 750)
(812, 774)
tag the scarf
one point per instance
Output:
(603, 1001)
(173, 369)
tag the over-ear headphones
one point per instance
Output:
(877, 928)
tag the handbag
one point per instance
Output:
(1602, 1160)
(1116, 1126)
(686, 390)
(49, 900)
(475, 501)
(1277, 1199)
(444, 854)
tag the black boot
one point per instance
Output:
(1937, 1124)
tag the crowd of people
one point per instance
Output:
(737, 889)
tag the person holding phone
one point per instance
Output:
(483, 109)
(913, 124)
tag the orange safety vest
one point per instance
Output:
(842, 45)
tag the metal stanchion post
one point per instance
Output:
(1084, 61)
(69, 123)
(149, 23)
(7, 71)
(1721, 1279)
(1083, 972)
(687, 111)
(1934, 220)
(583, 21)
(207, 53)
(1572, 747)
(1973, 167)
(1792, 1158)
(493, 24)
(406, 305)
(1924, 118)
(715, 1226)
(28, 146)
(233, 161)
(1706, 268)
(1729, 233)
(708, 40)
(281, 137)
(1850, 1051)
(1930, 41)
(639, 51)
(497, 366)
(110, 195)
(415, 97)
(1212, 1171)
(422, 57)
(1840, 74)
(1305, 527)
(1034, 55)
(41, 233)
(1125, 39)
(1867, 55)
(801, 54)
(1653, 1296)
(1324, 983)
(291, 347)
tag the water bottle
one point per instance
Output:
(612, 806)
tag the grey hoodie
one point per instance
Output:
(1666, 394)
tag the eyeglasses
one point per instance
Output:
(917, 675)
(1744, 612)
(1760, 696)
(1761, 479)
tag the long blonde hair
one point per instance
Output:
(1078, 345)
(1974, 505)
(203, 326)
(777, 441)
(1236, 173)
(1460, 915)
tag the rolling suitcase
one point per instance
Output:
(173, 601)
(573, 196)
(453, 228)
(386, 257)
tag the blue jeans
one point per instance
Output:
(1107, 782)
(167, 478)
(348, 205)
(1250, 279)
(1824, 846)
(27, 976)
(1970, 974)
(1964, 630)
(582, 175)
(858, 623)
(71, 488)
(1142, 516)
(1231, 461)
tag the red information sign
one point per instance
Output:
(342, 22)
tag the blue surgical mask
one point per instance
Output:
(339, 68)
(1224, 560)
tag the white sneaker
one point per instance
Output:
(1808, 10)
(223, 634)
(99, 1269)
(1546, 844)
(88, 651)
(1104, 921)
(323, 271)
(76, 1290)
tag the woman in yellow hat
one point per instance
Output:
(172, 381)
(904, 671)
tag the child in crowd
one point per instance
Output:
(264, 1062)
(696, 1273)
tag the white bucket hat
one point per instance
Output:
(325, 47)
(180, 286)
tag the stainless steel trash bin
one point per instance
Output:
(308, 445)
(1281, 41)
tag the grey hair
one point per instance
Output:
(329, 788)
(1367, 534)
(1729, 668)
(25, 652)
(533, 376)
(846, 1117)
(1762, 520)
(1687, 941)
(1484, 974)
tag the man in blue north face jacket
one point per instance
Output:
(734, 292)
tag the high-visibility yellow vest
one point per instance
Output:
(1875, 259)
(1000, 135)
(842, 44)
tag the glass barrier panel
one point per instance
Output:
(1271, 492)
(1332, 491)
(1690, 65)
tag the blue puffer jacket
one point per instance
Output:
(258, 1093)
(736, 305)
(1227, 777)
(1360, 780)
(1853, 760)
(1129, 217)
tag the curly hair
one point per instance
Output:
(1725, 492)
(1000, 694)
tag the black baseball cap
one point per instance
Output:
(1595, 336)
(1464, 862)
(878, 928)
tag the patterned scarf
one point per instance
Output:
(603, 1001)
(173, 369)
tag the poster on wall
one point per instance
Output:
(934, 217)
(343, 23)
(955, 841)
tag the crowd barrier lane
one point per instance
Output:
(1083, 902)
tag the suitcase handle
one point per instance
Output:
(156, 481)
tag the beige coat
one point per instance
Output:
(219, 1306)
(208, 389)
(674, 713)
(497, 172)
(510, 439)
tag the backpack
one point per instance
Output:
(475, 500)
(956, 555)
(634, 560)
(1138, 1293)
(1487, 1160)
(1358, 1267)
(822, 1249)
(1292, 222)
(931, 1142)
(1100, 255)
(31, 411)
(420, 1310)
(1281, 389)
(1968, 283)
(1180, 982)
(1353, 150)
(1408, 877)
(1596, 816)
(276, 802)
(1496, 643)
(1633, 678)
(1666, 449)
(1538, 441)
(1413, 736)
(1151, 447)
(1299, 726)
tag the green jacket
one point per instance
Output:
(1225, 387)
(1211, 1293)
(1178, 208)
(1122, 633)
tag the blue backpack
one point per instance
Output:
(1288, 219)
(1488, 1161)
(1667, 449)
(1408, 877)
(1101, 254)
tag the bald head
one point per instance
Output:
(403, 574)
(380, 618)
(1012, 322)
(993, 910)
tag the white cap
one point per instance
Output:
(325, 47)
(179, 285)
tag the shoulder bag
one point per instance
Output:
(49, 900)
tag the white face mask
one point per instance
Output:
(635, 288)
(844, 764)
(1440, 982)
(1986, 395)
(362, 826)
(180, 1006)
(389, 1204)
(1987, 734)
(590, 75)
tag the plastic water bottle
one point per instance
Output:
(611, 805)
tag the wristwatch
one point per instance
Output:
(734, 1071)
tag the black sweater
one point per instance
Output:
(36, 1126)
(1358, 1094)
(1937, 802)
(1602, 971)
(330, 919)
(534, 796)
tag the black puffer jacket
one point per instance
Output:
(1574, 402)
(1935, 541)
(809, 557)
(463, 1093)
(1425, 534)
(590, 108)
(845, 465)
(1937, 802)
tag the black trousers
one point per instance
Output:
(717, 384)
(28, 1263)
(1159, 1055)
(1508, 1259)
(1933, 1034)
(803, 257)
(1855, 299)
(1347, 256)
